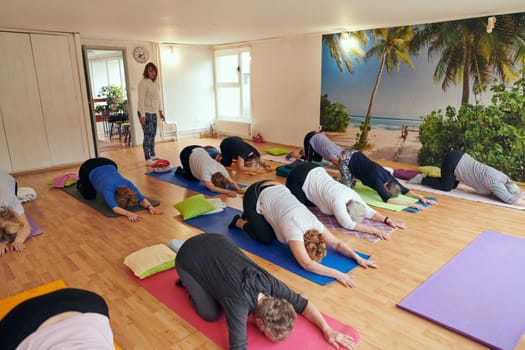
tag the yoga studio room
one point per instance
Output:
(332, 174)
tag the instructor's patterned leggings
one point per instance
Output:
(150, 130)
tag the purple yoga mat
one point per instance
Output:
(480, 293)
(35, 229)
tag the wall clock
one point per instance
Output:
(141, 54)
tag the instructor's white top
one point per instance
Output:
(149, 96)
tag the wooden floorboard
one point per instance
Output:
(86, 250)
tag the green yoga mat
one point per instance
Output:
(100, 205)
(371, 197)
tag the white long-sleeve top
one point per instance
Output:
(86, 331)
(149, 96)
(289, 218)
(202, 166)
(331, 197)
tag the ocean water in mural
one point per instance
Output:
(388, 123)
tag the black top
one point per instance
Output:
(232, 279)
(372, 174)
(233, 147)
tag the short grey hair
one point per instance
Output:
(356, 210)
(393, 188)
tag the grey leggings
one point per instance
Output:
(201, 301)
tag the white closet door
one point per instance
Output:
(20, 104)
(5, 159)
(60, 95)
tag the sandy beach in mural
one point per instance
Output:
(386, 145)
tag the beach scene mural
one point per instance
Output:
(395, 83)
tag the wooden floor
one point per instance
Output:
(86, 250)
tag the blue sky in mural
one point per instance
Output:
(407, 93)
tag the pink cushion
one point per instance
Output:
(405, 174)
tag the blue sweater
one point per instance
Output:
(106, 180)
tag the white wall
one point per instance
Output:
(286, 85)
(188, 88)
(286, 88)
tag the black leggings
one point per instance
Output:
(296, 179)
(256, 225)
(310, 154)
(84, 186)
(448, 180)
(26, 317)
(185, 169)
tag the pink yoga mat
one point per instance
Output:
(305, 335)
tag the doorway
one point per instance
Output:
(108, 98)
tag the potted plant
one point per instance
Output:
(102, 109)
(114, 95)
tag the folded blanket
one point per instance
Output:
(26, 194)
(65, 180)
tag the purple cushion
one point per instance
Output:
(405, 174)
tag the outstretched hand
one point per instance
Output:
(153, 211)
(367, 263)
(18, 246)
(3, 249)
(428, 201)
(231, 194)
(397, 224)
(346, 280)
(337, 339)
(417, 206)
(381, 235)
(132, 217)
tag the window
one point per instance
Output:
(232, 84)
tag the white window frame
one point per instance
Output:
(244, 114)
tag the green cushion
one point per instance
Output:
(150, 260)
(194, 206)
(432, 171)
(277, 151)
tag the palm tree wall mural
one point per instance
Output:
(391, 46)
(467, 52)
(438, 65)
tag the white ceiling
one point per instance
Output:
(212, 22)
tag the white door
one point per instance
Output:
(20, 104)
(56, 70)
(5, 159)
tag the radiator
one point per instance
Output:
(238, 128)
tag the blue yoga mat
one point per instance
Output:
(172, 178)
(277, 252)
(426, 205)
